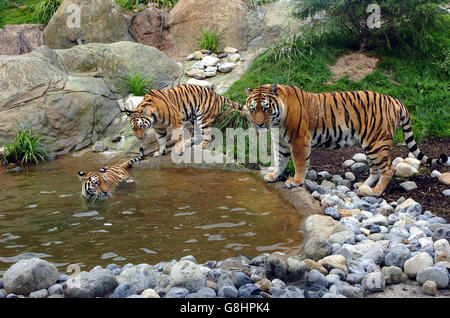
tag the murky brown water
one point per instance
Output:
(164, 215)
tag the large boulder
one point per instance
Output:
(72, 95)
(99, 22)
(20, 39)
(189, 17)
(27, 276)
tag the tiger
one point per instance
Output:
(176, 108)
(98, 185)
(332, 120)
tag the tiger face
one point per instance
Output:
(95, 185)
(262, 104)
(140, 123)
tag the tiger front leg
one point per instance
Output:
(162, 140)
(282, 153)
(301, 151)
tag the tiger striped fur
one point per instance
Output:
(99, 184)
(332, 120)
(175, 108)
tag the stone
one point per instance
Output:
(239, 279)
(194, 72)
(358, 167)
(140, 277)
(373, 282)
(319, 226)
(187, 274)
(436, 274)
(392, 274)
(349, 176)
(317, 248)
(402, 207)
(397, 256)
(233, 58)
(417, 263)
(206, 84)
(228, 292)
(408, 186)
(342, 237)
(123, 291)
(101, 22)
(264, 284)
(312, 175)
(99, 146)
(226, 67)
(429, 288)
(404, 170)
(442, 245)
(248, 290)
(29, 35)
(415, 233)
(334, 261)
(348, 163)
(444, 178)
(43, 293)
(446, 192)
(150, 28)
(316, 278)
(310, 265)
(204, 292)
(367, 249)
(63, 90)
(352, 292)
(210, 61)
(360, 157)
(56, 289)
(282, 266)
(435, 174)
(230, 50)
(29, 275)
(90, 285)
(364, 190)
(150, 293)
(177, 292)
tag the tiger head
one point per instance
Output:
(140, 123)
(262, 104)
(95, 185)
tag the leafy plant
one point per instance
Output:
(136, 84)
(134, 4)
(210, 39)
(43, 10)
(25, 148)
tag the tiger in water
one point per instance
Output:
(332, 120)
(97, 185)
(176, 108)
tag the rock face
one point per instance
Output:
(27, 276)
(20, 39)
(150, 27)
(71, 95)
(99, 22)
(189, 17)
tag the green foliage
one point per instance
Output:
(25, 148)
(43, 10)
(406, 24)
(210, 40)
(134, 4)
(136, 84)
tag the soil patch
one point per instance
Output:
(429, 191)
(355, 65)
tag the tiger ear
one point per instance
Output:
(247, 91)
(274, 89)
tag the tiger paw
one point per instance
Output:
(292, 183)
(271, 177)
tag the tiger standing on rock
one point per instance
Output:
(175, 108)
(332, 120)
(99, 184)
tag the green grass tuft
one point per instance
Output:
(210, 40)
(26, 147)
(136, 84)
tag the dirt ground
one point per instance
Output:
(429, 191)
(355, 65)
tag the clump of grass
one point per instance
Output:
(134, 4)
(44, 10)
(210, 39)
(26, 147)
(136, 84)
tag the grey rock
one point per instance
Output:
(358, 167)
(140, 277)
(397, 256)
(177, 292)
(408, 185)
(441, 233)
(239, 279)
(333, 212)
(99, 146)
(414, 209)
(374, 282)
(43, 293)
(316, 278)
(249, 290)
(187, 274)
(228, 292)
(317, 248)
(124, 290)
(349, 176)
(325, 175)
(315, 291)
(89, 285)
(29, 275)
(355, 278)
(56, 289)
(204, 292)
(312, 175)
(226, 67)
(331, 295)
(342, 237)
(436, 274)
(352, 291)
(284, 267)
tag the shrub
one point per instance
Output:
(25, 148)
(136, 84)
(407, 24)
(43, 10)
(210, 40)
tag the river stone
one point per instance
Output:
(342, 237)
(90, 285)
(352, 291)
(208, 61)
(124, 290)
(228, 292)
(441, 232)
(429, 288)
(319, 226)
(445, 178)
(442, 245)
(186, 274)
(334, 262)
(177, 292)
(408, 186)
(436, 274)
(417, 263)
(29, 275)
(404, 170)
(140, 277)
(100, 22)
(397, 256)
(358, 167)
(284, 267)
(392, 274)
(317, 248)
(226, 67)
(150, 293)
(373, 282)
